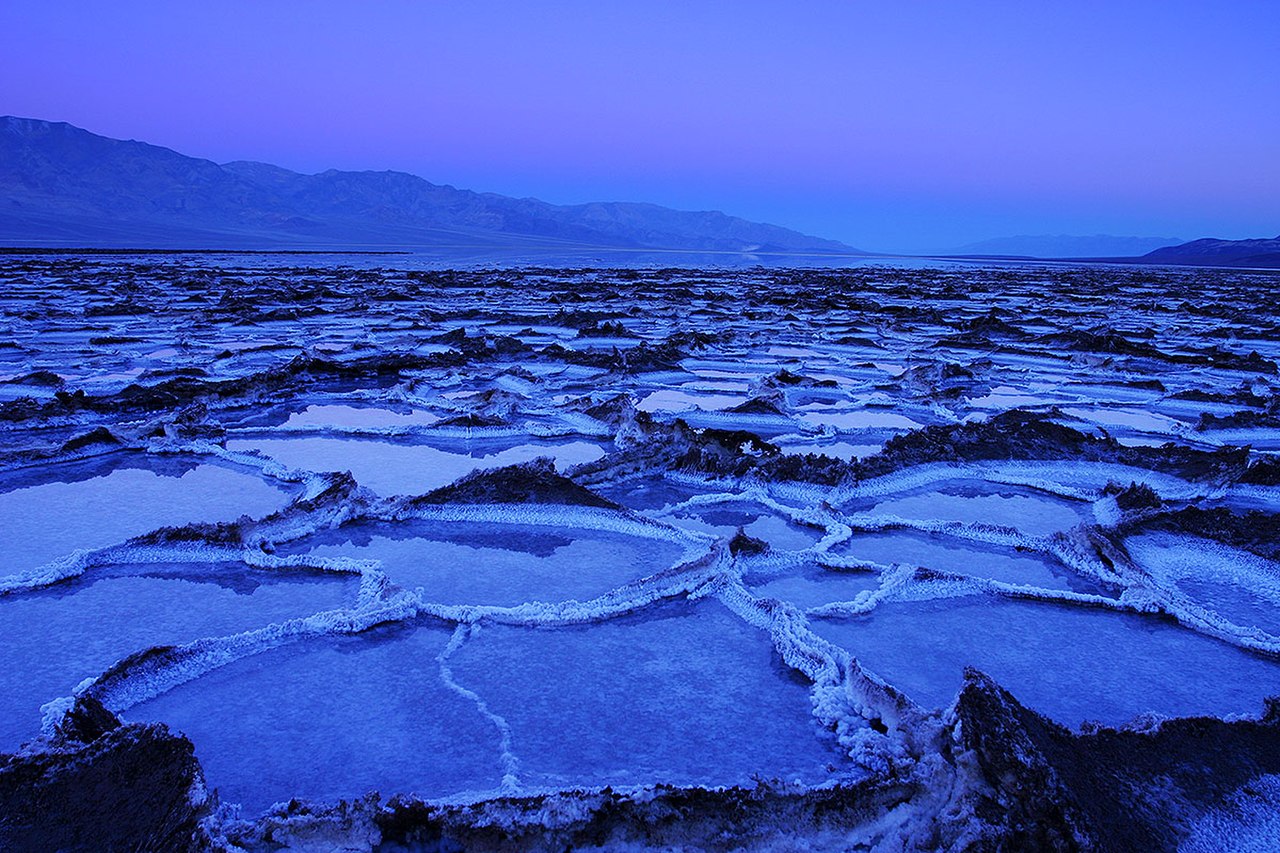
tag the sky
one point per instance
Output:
(893, 126)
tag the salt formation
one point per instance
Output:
(389, 558)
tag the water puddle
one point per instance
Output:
(56, 637)
(687, 695)
(104, 502)
(334, 718)
(498, 563)
(1071, 663)
(398, 468)
(957, 556)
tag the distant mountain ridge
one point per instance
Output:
(1065, 246)
(61, 185)
(1211, 251)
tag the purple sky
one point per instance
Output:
(905, 126)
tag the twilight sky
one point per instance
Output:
(894, 126)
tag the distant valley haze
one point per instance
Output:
(915, 128)
(65, 187)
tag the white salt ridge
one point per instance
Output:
(1074, 480)
(313, 481)
(510, 763)
(844, 696)
(120, 691)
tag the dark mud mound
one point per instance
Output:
(129, 788)
(533, 482)
(1107, 790)
(1255, 531)
(1023, 435)
(745, 544)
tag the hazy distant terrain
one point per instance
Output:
(64, 186)
(1066, 246)
(1227, 253)
(1261, 253)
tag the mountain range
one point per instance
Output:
(1255, 253)
(1065, 246)
(61, 185)
(1221, 253)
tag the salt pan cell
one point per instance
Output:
(862, 419)
(499, 563)
(56, 637)
(670, 400)
(358, 417)
(958, 556)
(48, 514)
(813, 586)
(757, 522)
(335, 718)
(974, 502)
(402, 468)
(682, 695)
(1070, 662)
(1241, 586)
(1141, 421)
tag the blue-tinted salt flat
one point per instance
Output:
(335, 718)
(958, 556)
(358, 417)
(56, 637)
(861, 419)
(755, 521)
(1071, 663)
(845, 450)
(61, 508)
(974, 502)
(403, 468)
(686, 694)
(813, 586)
(674, 691)
(1131, 419)
(498, 563)
(1236, 584)
(671, 400)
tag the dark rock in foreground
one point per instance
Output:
(1110, 789)
(129, 788)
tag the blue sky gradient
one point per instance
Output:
(910, 126)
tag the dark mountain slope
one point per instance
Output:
(1224, 253)
(65, 186)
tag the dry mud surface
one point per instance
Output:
(310, 556)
